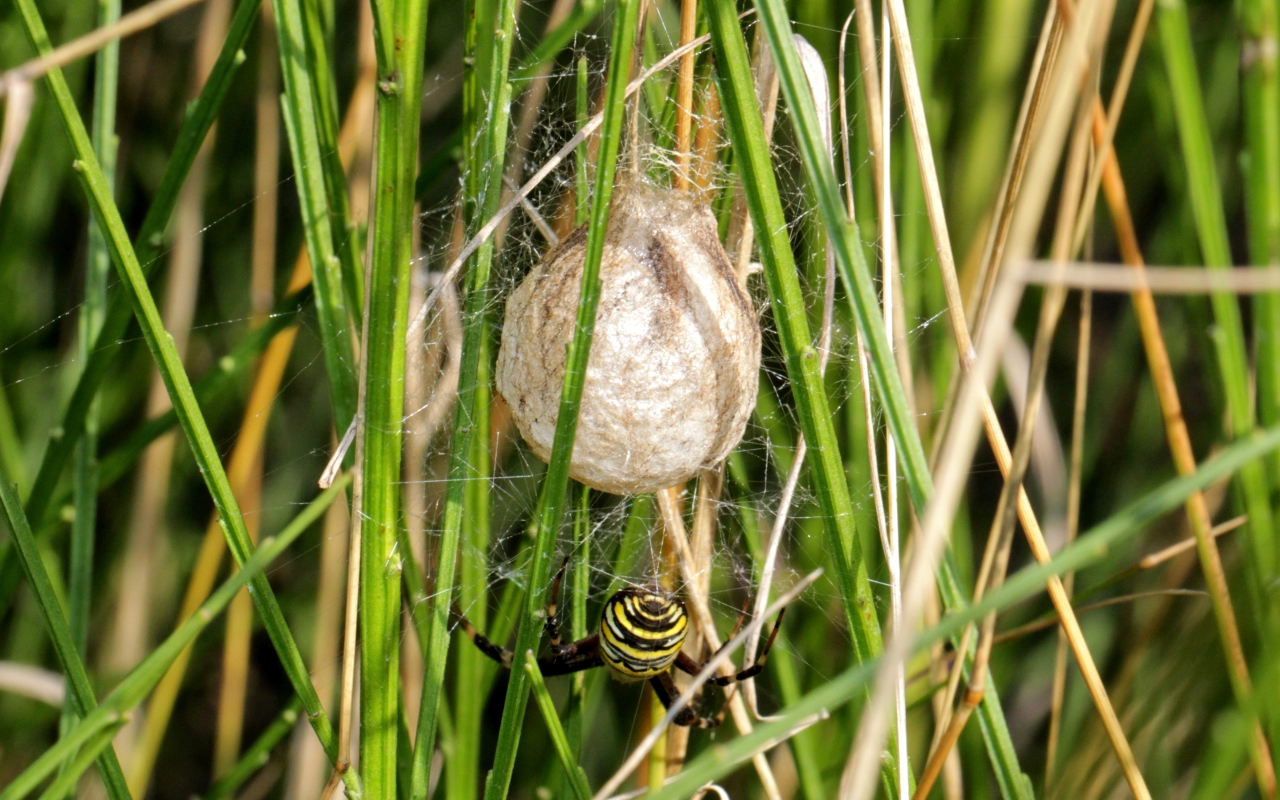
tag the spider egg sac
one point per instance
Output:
(673, 371)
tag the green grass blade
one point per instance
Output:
(138, 684)
(11, 455)
(178, 385)
(579, 589)
(1261, 95)
(303, 121)
(149, 244)
(92, 314)
(80, 696)
(1211, 227)
(346, 236)
(577, 778)
(486, 109)
(65, 784)
(475, 670)
(746, 133)
(398, 107)
(742, 119)
(550, 509)
(255, 758)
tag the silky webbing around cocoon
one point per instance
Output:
(675, 361)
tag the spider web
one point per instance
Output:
(513, 487)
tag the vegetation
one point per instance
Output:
(1024, 526)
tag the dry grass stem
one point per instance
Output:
(1119, 94)
(1186, 545)
(307, 759)
(694, 574)
(1041, 625)
(1083, 343)
(706, 509)
(890, 289)
(873, 459)
(1043, 157)
(1000, 540)
(548, 234)
(1184, 458)
(129, 24)
(681, 178)
(1104, 277)
(33, 682)
(706, 143)
(17, 113)
(857, 782)
(1029, 116)
(347, 698)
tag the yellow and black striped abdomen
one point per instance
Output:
(641, 632)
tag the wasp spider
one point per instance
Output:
(639, 639)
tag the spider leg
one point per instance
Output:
(552, 624)
(573, 657)
(664, 686)
(688, 665)
(501, 655)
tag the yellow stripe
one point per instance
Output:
(639, 665)
(629, 659)
(642, 656)
(622, 637)
(632, 629)
(636, 607)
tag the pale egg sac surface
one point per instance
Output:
(673, 371)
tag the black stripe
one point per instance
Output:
(641, 617)
(655, 617)
(624, 662)
(623, 635)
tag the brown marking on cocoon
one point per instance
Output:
(668, 272)
(718, 257)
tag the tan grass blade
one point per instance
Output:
(693, 573)
(1184, 457)
(1083, 341)
(681, 178)
(129, 24)
(17, 113)
(1041, 160)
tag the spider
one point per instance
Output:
(641, 632)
